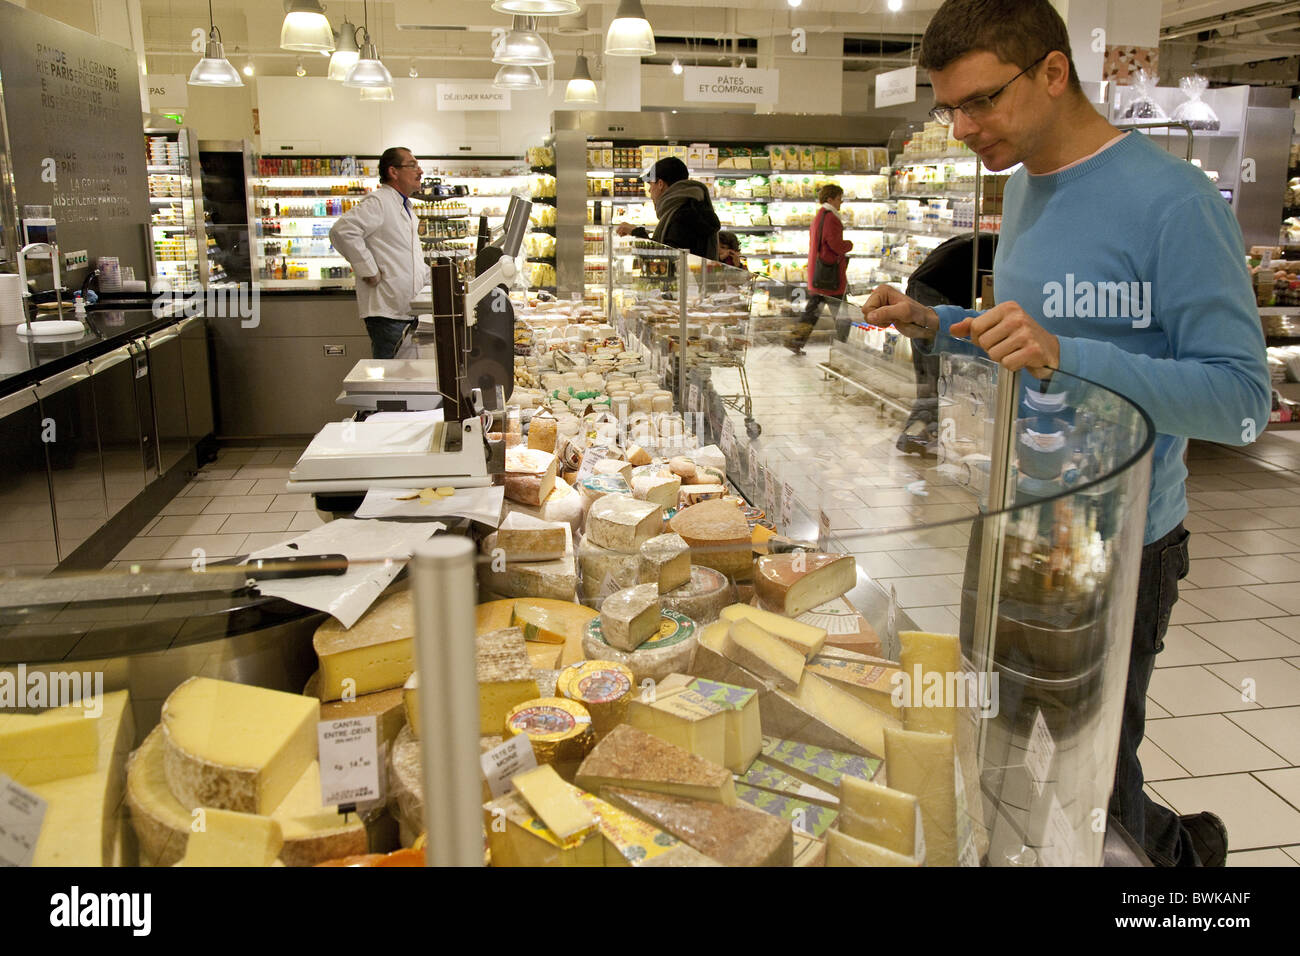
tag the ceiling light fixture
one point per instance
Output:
(214, 69)
(377, 94)
(581, 88)
(677, 66)
(413, 73)
(895, 5)
(516, 78)
(248, 68)
(302, 70)
(794, 3)
(523, 46)
(369, 71)
(346, 52)
(305, 27)
(537, 8)
(630, 34)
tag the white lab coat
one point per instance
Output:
(377, 235)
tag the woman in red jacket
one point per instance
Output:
(827, 243)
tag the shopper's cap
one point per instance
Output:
(670, 168)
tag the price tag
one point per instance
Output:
(772, 503)
(1038, 759)
(823, 530)
(753, 469)
(1058, 838)
(693, 398)
(349, 760)
(787, 506)
(21, 815)
(728, 437)
(505, 760)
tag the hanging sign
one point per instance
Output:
(896, 86)
(721, 85)
(168, 92)
(472, 96)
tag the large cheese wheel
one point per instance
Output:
(792, 584)
(670, 651)
(703, 597)
(719, 537)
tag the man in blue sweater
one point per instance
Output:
(1091, 209)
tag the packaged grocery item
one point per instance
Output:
(1143, 105)
(1196, 113)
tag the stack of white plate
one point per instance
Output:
(11, 300)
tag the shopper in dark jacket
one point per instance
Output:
(685, 211)
(826, 243)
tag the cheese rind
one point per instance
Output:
(504, 674)
(228, 838)
(236, 747)
(665, 561)
(556, 580)
(605, 571)
(744, 726)
(844, 850)
(384, 705)
(794, 583)
(804, 638)
(703, 597)
(734, 836)
(658, 489)
(620, 523)
(765, 654)
(530, 475)
(525, 538)
(633, 758)
(563, 617)
(630, 617)
(719, 537)
(922, 764)
(376, 653)
(670, 650)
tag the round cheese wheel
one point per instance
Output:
(703, 597)
(670, 651)
(559, 729)
(605, 571)
(719, 537)
(603, 687)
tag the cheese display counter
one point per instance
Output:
(659, 654)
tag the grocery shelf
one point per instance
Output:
(929, 159)
(164, 169)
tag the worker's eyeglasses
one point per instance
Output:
(978, 106)
(407, 165)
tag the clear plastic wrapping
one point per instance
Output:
(1143, 105)
(1196, 113)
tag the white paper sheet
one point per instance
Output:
(376, 551)
(480, 504)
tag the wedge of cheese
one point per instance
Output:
(840, 711)
(226, 838)
(719, 537)
(236, 747)
(630, 617)
(871, 682)
(937, 659)
(605, 571)
(844, 850)
(312, 831)
(804, 638)
(554, 802)
(922, 764)
(878, 814)
(686, 719)
(666, 562)
(505, 677)
(516, 836)
(734, 836)
(62, 742)
(662, 490)
(613, 466)
(83, 813)
(545, 656)
(620, 523)
(765, 654)
(376, 653)
(556, 579)
(530, 475)
(525, 538)
(791, 584)
(384, 705)
(632, 758)
(744, 727)
(563, 618)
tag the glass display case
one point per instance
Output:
(175, 210)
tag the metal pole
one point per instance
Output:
(975, 246)
(609, 271)
(442, 575)
(683, 279)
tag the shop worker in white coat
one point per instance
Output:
(380, 238)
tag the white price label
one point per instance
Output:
(693, 398)
(787, 506)
(1042, 748)
(753, 468)
(21, 815)
(349, 760)
(505, 760)
(823, 531)
(1058, 838)
(728, 437)
(772, 504)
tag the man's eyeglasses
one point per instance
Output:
(406, 165)
(978, 106)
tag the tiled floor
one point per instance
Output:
(1223, 728)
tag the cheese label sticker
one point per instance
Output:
(835, 617)
(637, 841)
(543, 722)
(728, 437)
(596, 682)
(693, 398)
(753, 469)
(787, 505)
(504, 761)
(807, 818)
(349, 760)
(765, 776)
(828, 766)
(728, 695)
(21, 814)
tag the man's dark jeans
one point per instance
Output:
(1157, 829)
(386, 335)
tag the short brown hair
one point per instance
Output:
(829, 191)
(390, 158)
(1016, 31)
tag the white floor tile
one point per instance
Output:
(879, 564)
(1155, 711)
(1273, 497)
(1215, 501)
(1271, 857)
(269, 521)
(1268, 568)
(1286, 517)
(1293, 852)
(1278, 728)
(266, 539)
(217, 472)
(1231, 604)
(1185, 613)
(296, 502)
(185, 505)
(1201, 521)
(1253, 814)
(269, 486)
(1290, 626)
(1183, 648)
(1217, 573)
(924, 590)
(1244, 640)
(937, 620)
(1211, 744)
(212, 545)
(932, 560)
(1251, 542)
(1184, 691)
(1285, 783)
(1285, 596)
(187, 524)
(232, 505)
(257, 472)
(145, 549)
(1156, 764)
(305, 521)
(1209, 546)
(1276, 683)
(230, 487)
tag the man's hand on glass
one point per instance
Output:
(1012, 339)
(887, 306)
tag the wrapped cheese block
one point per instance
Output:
(559, 729)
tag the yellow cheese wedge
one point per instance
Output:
(879, 815)
(937, 658)
(686, 719)
(226, 838)
(564, 617)
(34, 748)
(842, 712)
(869, 681)
(763, 653)
(553, 800)
(517, 837)
(236, 747)
(83, 814)
(505, 677)
(385, 705)
(629, 757)
(922, 764)
(804, 638)
(376, 653)
(844, 850)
